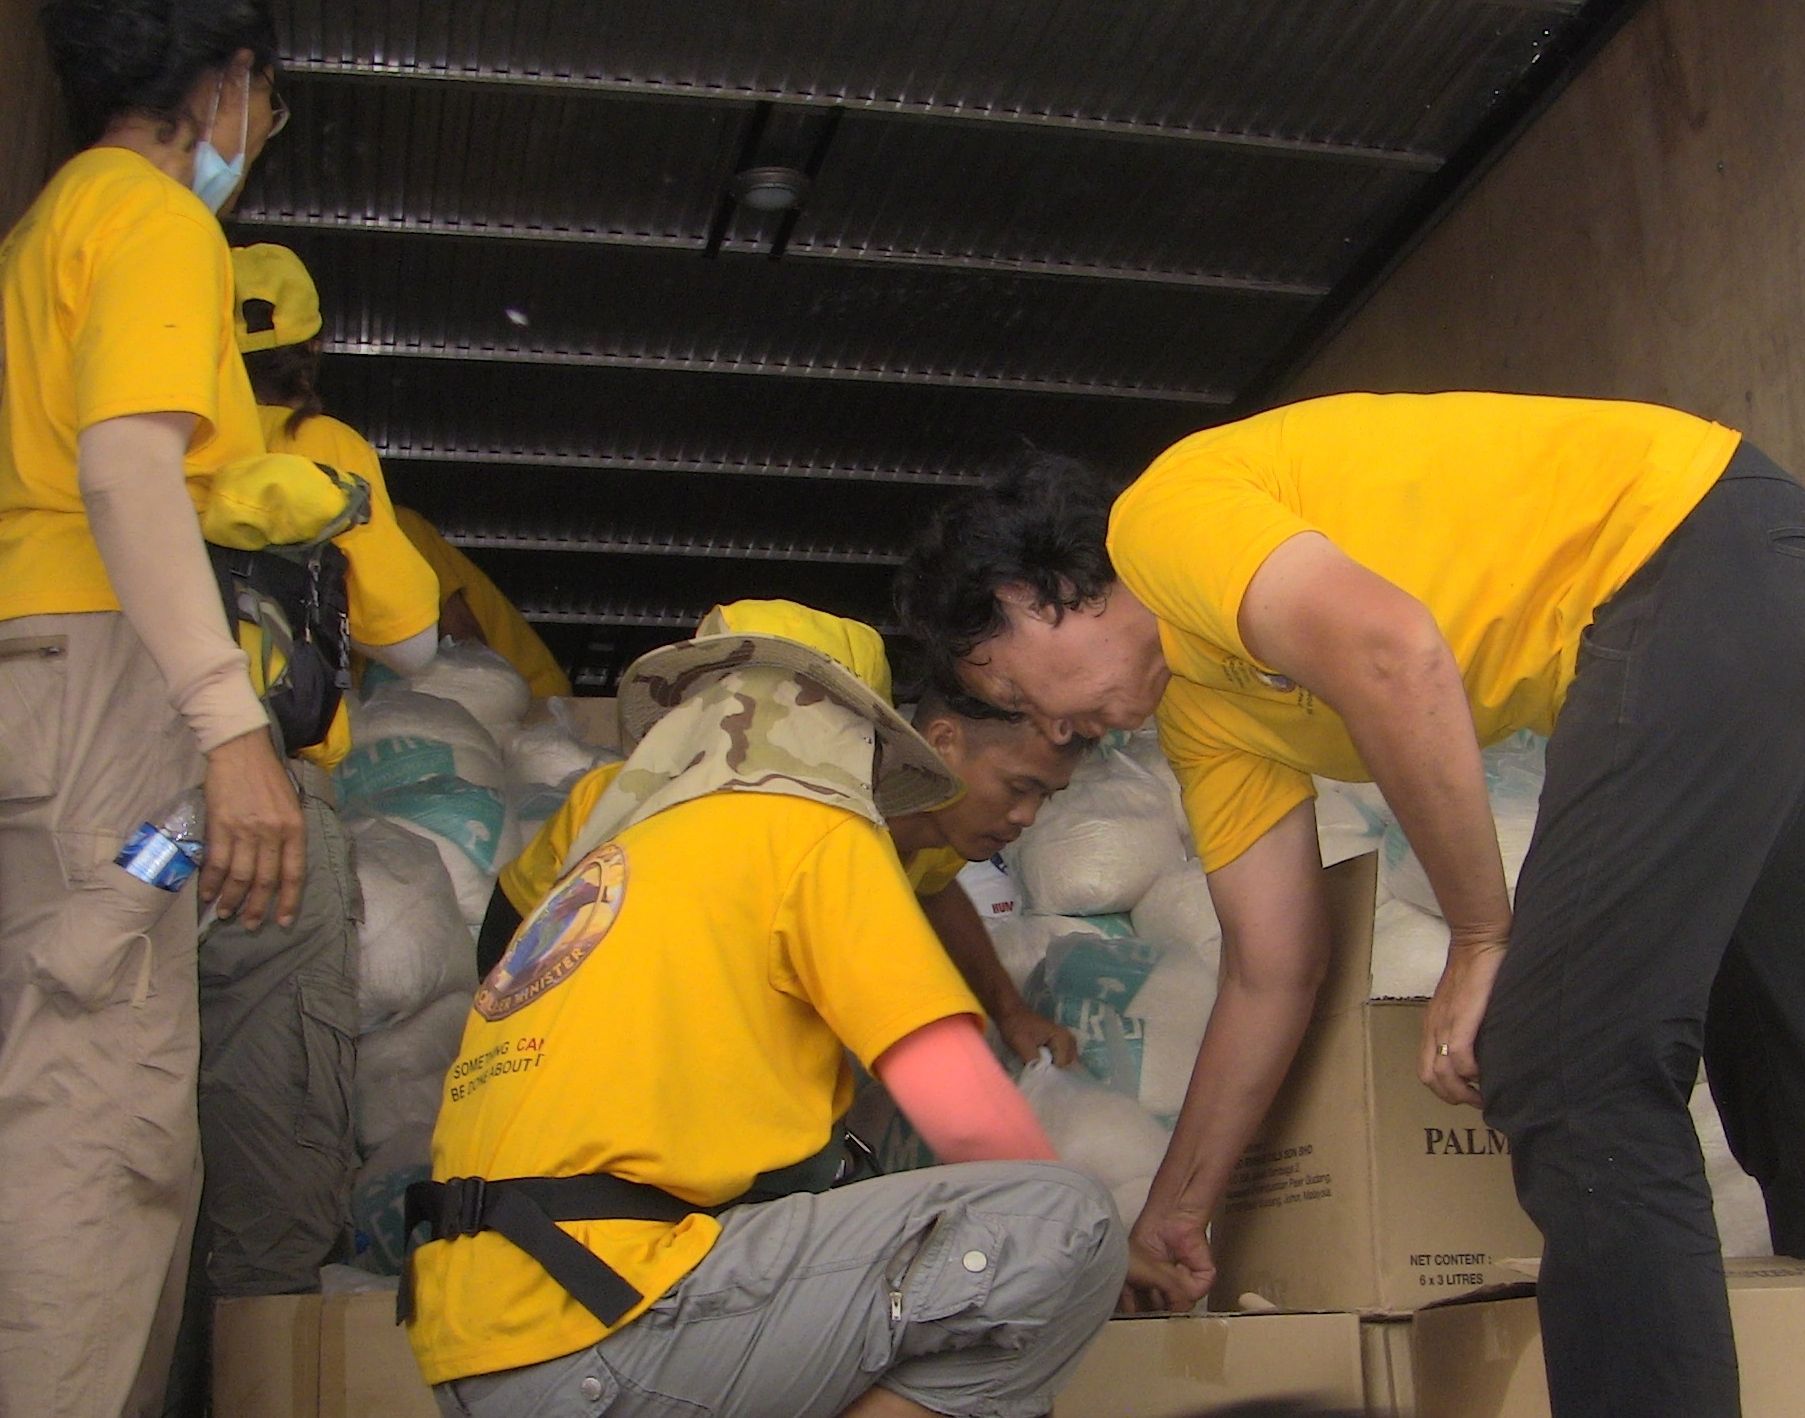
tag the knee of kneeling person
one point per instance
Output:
(1099, 1251)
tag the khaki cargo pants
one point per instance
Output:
(99, 1031)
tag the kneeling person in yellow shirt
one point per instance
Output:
(1009, 769)
(657, 1065)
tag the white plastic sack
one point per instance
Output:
(413, 944)
(1513, 777)
(401, 1071)
(1173, 1007)
(470, 828)
(1410, 950)
(400, 736)
(530, 804)
(1098, 846)
(479, 679)
(546, 752)
(1143, 747)
(378, 1195)
(1021, 939)
(1177, 911)
(1093, 1128)
(349, 1280)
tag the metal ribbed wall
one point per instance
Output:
(1085, 225)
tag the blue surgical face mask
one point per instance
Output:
(214, 178)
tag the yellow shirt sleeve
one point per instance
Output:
(503, 626)
(1189, 546)
(529, 878)
(1231, 797)
(853, 943)
(148, 340)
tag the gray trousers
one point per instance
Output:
(278, 1012)
(968, 1289)
(278, 1047)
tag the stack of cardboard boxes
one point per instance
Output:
(1383, 1225)
(1370, 1245)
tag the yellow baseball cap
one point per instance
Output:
(852, 643)
(274, 301)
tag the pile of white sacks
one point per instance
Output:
(1111, 933)
(444, 785)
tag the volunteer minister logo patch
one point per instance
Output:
(559, 936)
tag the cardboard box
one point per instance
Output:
(1482, 1358)
(1386, 1361)
(591, 719)
(315, 1356)
(1179, 1366)
(1362, 1190)
(343, 1356)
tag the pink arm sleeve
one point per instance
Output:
(955, 1094)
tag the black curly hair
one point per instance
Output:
(1041, 524)
(117, 57)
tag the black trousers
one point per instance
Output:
(1661, 911)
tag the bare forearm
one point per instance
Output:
(1377, 656)
(1251, 1040)
(969, 947)
(1415, 734)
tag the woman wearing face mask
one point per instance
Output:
(121, 391)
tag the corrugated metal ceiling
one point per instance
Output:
(1089, 225)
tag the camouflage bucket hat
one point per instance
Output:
(910, 776)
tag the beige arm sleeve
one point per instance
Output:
(130, 474)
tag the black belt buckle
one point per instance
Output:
(467, 1197)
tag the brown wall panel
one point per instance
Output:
(32, 137)
(1645, 239)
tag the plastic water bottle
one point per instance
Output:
(166, 850)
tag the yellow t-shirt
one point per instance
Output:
(529, 878)
(933, 869)
(116, 296)
(504, 628)
(676, 1014)
(1512, 518)
(392, 591)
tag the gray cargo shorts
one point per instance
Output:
(969, 1289)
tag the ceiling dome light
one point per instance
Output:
(769, 189)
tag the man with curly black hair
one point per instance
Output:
(1372, 587)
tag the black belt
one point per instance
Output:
(525, 1210)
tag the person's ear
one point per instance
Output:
(1021, 599)
(944, 737)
